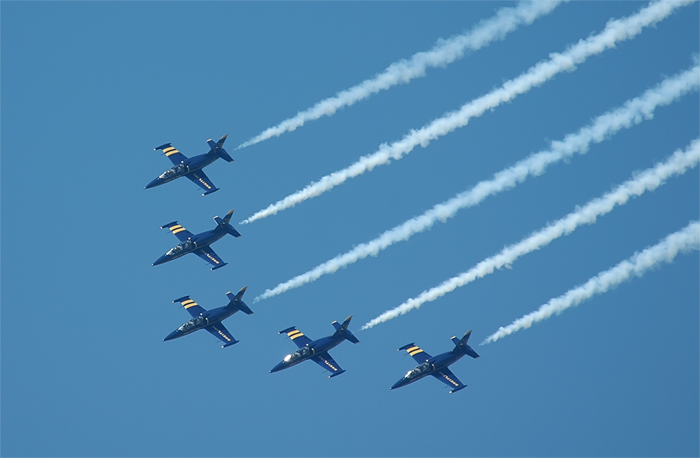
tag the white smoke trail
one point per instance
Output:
(665, 251)
(615, 31)
(444, 52)
(632, 112)
(648, 180)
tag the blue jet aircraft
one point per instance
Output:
(437, 365)
(191, 167)
(198, 244)
(317, 350)
(211, 320)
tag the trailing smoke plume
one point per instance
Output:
(444, 52)
(615, 32)
(604, 126)
(648, 180)
(665, 251)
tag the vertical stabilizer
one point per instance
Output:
(342, 329)
(461, 345)
(236, 301)
(218, 148)
(226, 225)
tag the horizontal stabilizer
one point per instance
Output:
(219, 266)
(168, 225)
(225, 224)
(342, 330)
(461, 345)
(210, 191)
(470, 351)
(181, 299)
(236, 302)
(351, 337)
(407, 346)
(233, 342)
(284, 331)
(217, 148)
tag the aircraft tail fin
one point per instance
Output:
(225, 223)
(237, 301)
(342, 329)
(218, 148)
(462, 346)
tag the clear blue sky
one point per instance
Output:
(90, 88)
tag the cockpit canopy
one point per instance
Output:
(174, 171)
(423, 368)
(303, 352)
(187, 245)
(194, 322)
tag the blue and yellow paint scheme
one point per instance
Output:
(437, 366)
(191, 167)
(199, 243)
(316, 350)
(211, 320)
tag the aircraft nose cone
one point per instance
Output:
(399, 384)
(278, 367)
(153, 183)
(161, 260)
(170, 336)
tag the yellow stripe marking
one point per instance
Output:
(175, 231)
(412, 353)
(170, 153)
(294, 336)
(177, 226)
(187, 301)
(191, 305)
(169, 148)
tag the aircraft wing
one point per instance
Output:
(219, 331)
(200, 179)
(178, 231)
(191, 306)
(172, 153)
(208, 255)
(416, 352)
(448, 378)
(297, 337)
(325, 361)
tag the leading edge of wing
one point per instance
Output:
(219, 331)
(202, 180)
(325, 361)
(448, 378)
(212, 258)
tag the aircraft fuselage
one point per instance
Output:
(431, 366)
(201, 240)
(208, 318)
(309, 351)
(189, 165)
